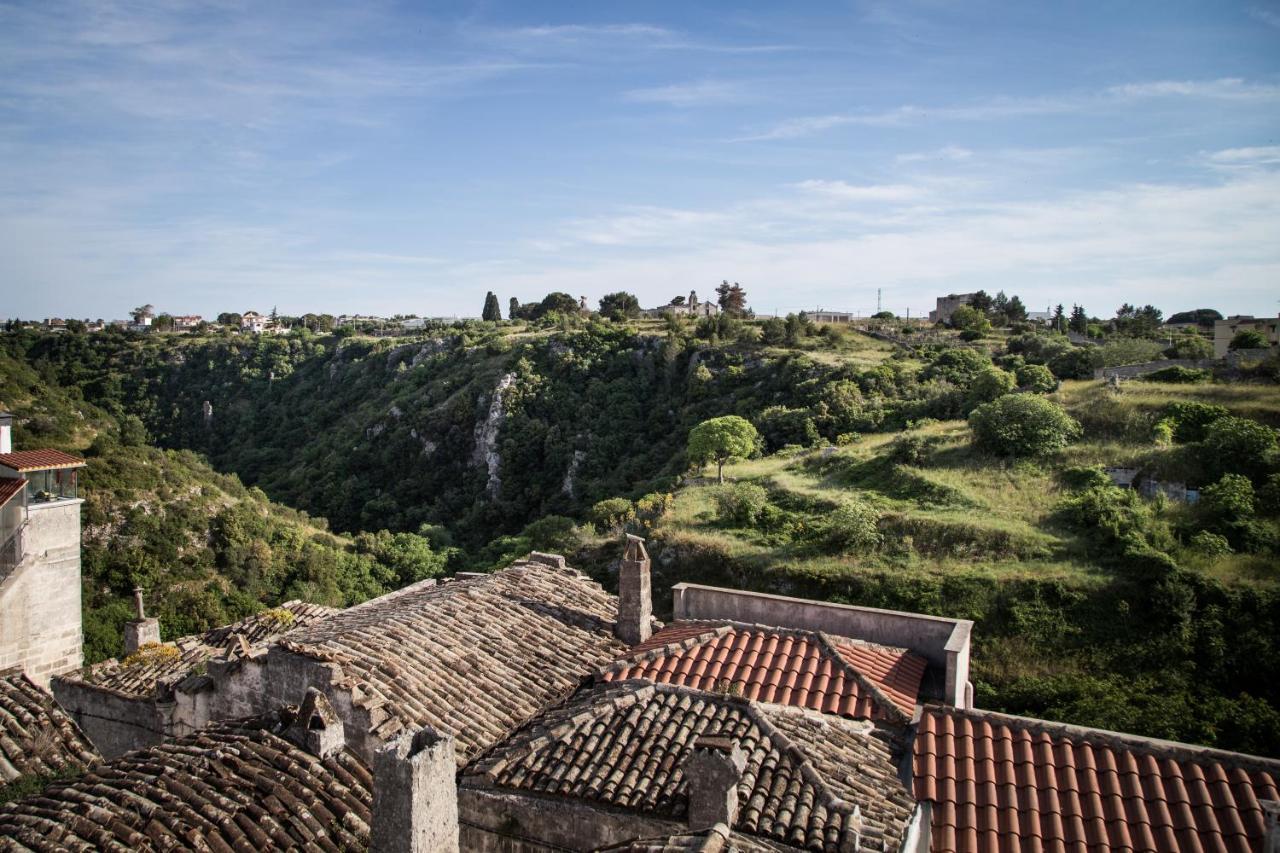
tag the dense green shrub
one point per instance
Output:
(1269, 495)
(611, 515)
(1240, 445)
(1210, 544)
(1190, 346)
(1022, 425)
(740, 504)
(1037, 379)
(957, 366)
(1191, 419)
(910, 449)
(553, 533)
(1230, 499)
(780, 426)
(1076, 363)
(989, 384)
(1078, 478)
(850, 528)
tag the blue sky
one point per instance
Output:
(405, 158)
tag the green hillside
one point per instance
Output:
(1093, 605)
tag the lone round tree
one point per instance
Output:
(722, 439)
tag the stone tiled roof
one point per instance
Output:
(807, 669)
(39, 460)
(1004, 784)
(472, 658)
(141, 677)
(624, 744)
(36, 736)
(237, 786)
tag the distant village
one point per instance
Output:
(953, 310)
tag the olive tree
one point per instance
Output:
(722, 439)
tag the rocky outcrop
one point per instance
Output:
(486, 448)
(572, 471)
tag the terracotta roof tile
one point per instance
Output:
(1003, 784)
(36, 736)
(472, 658)
(10, 486)
(623, 745)
(142, 678)
(807, 669)
(39, 460)
(233, 786)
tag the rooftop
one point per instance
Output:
(139, 676)
(36, 736)
(471, 658)
(234, 786)
(10, 486)
(623, 745)
(808, 669)
(39, 460)
(1001, 784)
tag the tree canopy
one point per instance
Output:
(492, 312)
(620, 305)
(1022, 425)
(722, 439)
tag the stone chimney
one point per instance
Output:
(141, 631)
(6, 432)
(635, 599)
(712, 773)
(1271, 813)
(415, 795)
(317, 728)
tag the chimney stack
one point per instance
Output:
(415, 795)
(635, 599)
(1271, 813)
(712, 773)
(141, 631)
(317, 728)
(6, 432)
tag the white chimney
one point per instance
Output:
(712, 773)
(6, 432)
(635, 599)
(415, 795)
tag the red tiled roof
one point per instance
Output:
(10, 486)
(806, 669)
(39, 460)
(1004, 784)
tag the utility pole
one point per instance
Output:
(878, 308)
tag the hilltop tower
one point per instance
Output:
(40, 629)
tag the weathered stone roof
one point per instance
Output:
(237, 786)
(139, 676)
(624, 744)
(36, 736)
(471, 658)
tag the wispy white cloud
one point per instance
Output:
(1229, 89)
(949, 153)
(1263, 155)
(695, 94)
(895, 193)
(1267, 16)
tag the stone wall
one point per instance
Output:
(491, 821)
(943, 642)
(40, 628)
(115, 722)
(1128, 371)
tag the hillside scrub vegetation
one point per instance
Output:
(951, 477)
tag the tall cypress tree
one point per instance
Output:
(491, 309)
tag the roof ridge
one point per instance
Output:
(1172, 749)
(631, 659)
(829, 647)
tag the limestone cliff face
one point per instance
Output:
(486, 449)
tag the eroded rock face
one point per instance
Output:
(486, 449)
(572, 471)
